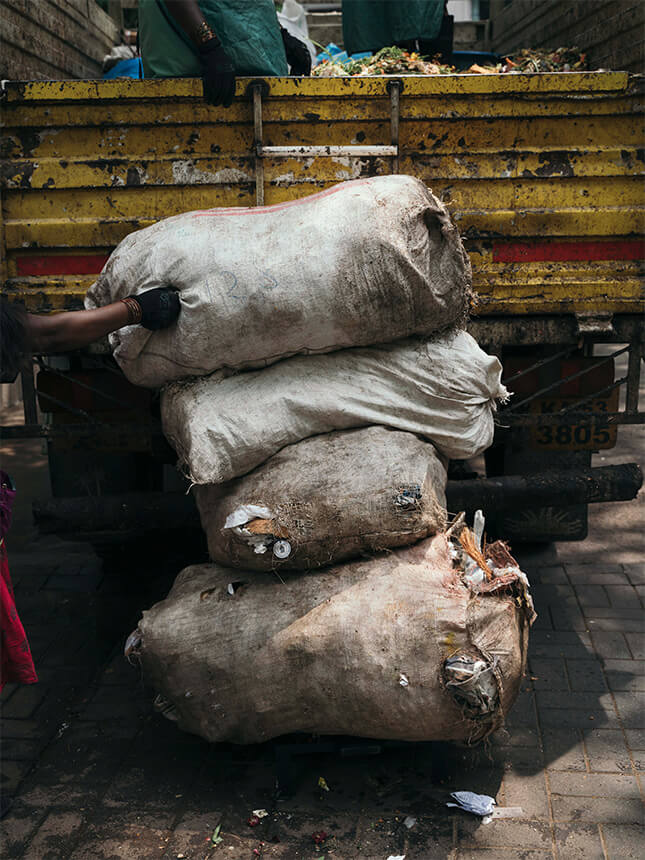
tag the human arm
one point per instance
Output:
(218, 73)
(153, 309)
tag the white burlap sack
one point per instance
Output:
(445, 390)
(364, 262)
(326, 499)
(399, 647)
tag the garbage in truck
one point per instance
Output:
(325, 499)
(368, 648)
(444, 390)
(366, 261)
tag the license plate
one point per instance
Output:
(574, 437)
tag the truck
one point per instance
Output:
(543, 174)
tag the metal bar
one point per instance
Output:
(318, 151)
(539, 489)
(395, 93)
(539, 364)
(616, 384)
(29, 394)
(566, 379)
(67, 408)
(257, 128)
(84, 385)
(633, 377)
(602, 419)
(70, 431)
(140, 511)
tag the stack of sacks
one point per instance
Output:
(334, 448)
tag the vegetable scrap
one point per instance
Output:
(387, 61)
(322, 783)
(396, 61)
(319, 837)
(216, 838)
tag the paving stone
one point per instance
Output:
(559, 643)
(617, 622)
(635, 573)
(17, 827)
(623, 843)
(548, 674)
(19, 749)
(623, 595)
(563, 749)
(553, 718)
(24, 702)
(584, 571)
(587, 701)
(593, 785)
(592, 595)
(631, 709)
(585, 675)
(53, 838)
(635, 739)
(11, 775)
(627, 810)
(636, 642)
(550, 575)
(606, 751)
(130, 842)
(516, 736)
(626, 675)
(21, 728)
(528, 790)
(503, 833)
(578, 841)
(497, 854)
(567, 617)
(611, 645)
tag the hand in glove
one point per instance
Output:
(154, 309)
(298, 55)
(218, 73)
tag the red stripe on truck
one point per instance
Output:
(61, 264)
(533, 252)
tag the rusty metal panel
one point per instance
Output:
(543, 173)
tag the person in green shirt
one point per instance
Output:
(369, 25)
(217, 40)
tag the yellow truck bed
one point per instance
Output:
(543, 173)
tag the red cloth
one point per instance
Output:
(16, 662)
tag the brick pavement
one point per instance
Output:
(94, 773)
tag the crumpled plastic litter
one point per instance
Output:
(245, 514)
(478, 804)
(472, 681)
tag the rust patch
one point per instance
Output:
(556, 163)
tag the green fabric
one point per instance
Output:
(369, 25)
(249, 32)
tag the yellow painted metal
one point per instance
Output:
(516, 158)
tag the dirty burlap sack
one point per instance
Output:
(399, 647)
(364, 262)
(326, 499)
(444, 390)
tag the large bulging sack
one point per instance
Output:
(326, 499)
(364, 262)
(445, 390)
(399, 646)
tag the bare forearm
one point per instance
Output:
(191, 19)
(74, 329)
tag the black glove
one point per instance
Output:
(159, 307)
(218, 74)
(298, 55)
